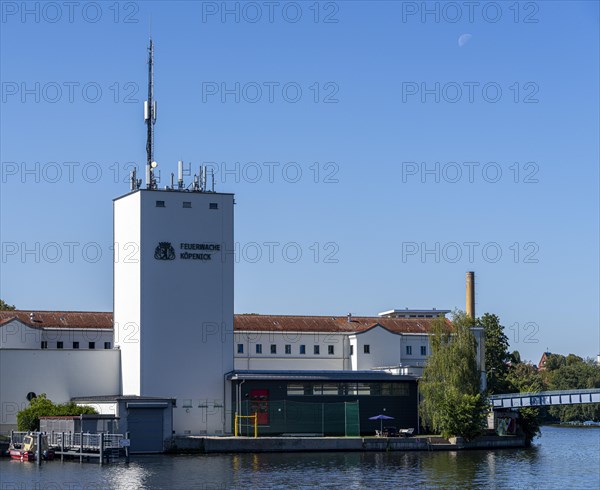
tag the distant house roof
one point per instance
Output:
(260, 323)
(543, 360)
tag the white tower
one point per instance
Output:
(173, 291)
(173, 301)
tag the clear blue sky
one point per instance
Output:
(369, 210)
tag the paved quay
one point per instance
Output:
(205, 444)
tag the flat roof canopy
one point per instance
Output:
(317, 376)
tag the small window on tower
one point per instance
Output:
(288, 348)
(187, 204)
(44, 344)
(107, 345)
(213, 205)
(160, 204)
(273, 349)
(75, 345)
(59, 345)
(91, 345)
(240, 348)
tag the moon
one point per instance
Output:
(464, 39)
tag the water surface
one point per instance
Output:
(563, 458)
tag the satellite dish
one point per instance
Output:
(154, 164)
(30, 396)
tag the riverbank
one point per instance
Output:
(208, 445)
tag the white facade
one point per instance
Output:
(173, 301)
(279, 351)
(61, 374)
(18, 335)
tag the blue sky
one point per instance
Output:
(386, 92)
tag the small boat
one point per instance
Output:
(28, 449)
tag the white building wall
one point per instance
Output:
(17, 335)
(383, 346)
(416, 342)
(61, 374)
(127, 288)
(85, 337)
(185, 315)
(103, 408)
(249, 359)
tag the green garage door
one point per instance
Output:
(145, 427)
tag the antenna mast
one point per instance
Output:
(150, 118)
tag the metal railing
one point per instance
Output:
(545, 398)
(74, 439)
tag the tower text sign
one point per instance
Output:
(187, 251)
(198, 251)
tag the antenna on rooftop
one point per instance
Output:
(150, 118)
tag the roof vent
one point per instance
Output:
(349, 317)
(32, 316)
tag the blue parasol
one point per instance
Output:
(381, 418)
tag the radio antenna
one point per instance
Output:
(150, 118)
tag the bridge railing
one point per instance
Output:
(545, 398)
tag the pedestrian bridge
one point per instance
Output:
(545, 398)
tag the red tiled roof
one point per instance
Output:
(330, 324)
(60, 319)
(263, 323)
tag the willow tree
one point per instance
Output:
(451, 402)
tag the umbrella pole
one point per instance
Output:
(381, 426)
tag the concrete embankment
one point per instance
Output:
(202, 444)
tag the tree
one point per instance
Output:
(496, 353)
(452, 403)
(514, 357)
(28, 419)
(525, 378)
(5, 306)
(569, 373)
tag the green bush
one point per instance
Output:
(28, 419)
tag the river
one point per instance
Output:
(563, 458)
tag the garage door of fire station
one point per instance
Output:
(145, 427)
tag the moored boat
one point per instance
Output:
(28, 449)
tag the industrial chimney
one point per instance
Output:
(470, 303)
